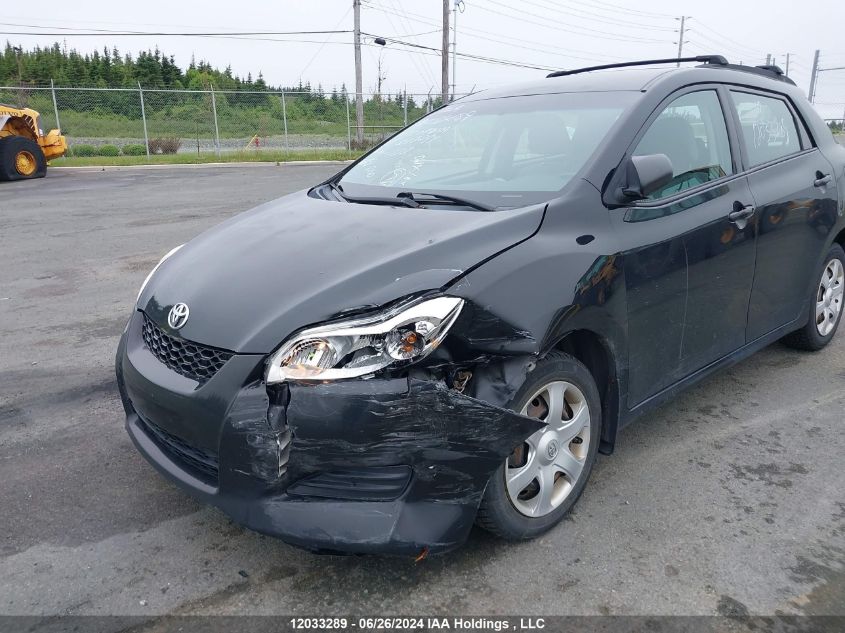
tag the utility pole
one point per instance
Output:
(144, 117)
(787, 64)
(683, 20)
(359, 80)
(813, 76)
(768, 59)
(454, 45)
(55, 105)
(444, 56)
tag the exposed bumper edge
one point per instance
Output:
(398, 527)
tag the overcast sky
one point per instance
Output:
(546, 33)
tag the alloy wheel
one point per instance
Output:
(540, 474)
(829, 297)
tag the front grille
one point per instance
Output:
(194, 361)
(202, 464)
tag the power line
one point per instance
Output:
(69, 20)
(591, 56)
(243, 35)
(224, 37)
(423, 69)
(65, 31)
(732, 43)
(483, 58)
(619, 8)
(501, 39)
(583, 14)
(322, 46)
(558, 25)
(711, 46)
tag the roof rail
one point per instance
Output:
(770, 71)
(718, 60)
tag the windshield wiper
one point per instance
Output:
(409, 199)
(439, 198)
(337, 189)
(405, 202)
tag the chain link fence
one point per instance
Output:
(137, 121)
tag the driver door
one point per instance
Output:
(680, 327)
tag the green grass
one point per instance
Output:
(262, 156)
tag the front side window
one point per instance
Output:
(504, 152)
(768, 127)
(692, 132)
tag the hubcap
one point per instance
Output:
(829, 297)
(540, 474)
(25, 163)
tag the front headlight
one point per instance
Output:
(155, 268)
(347, 349)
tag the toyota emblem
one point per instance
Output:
(178, 315)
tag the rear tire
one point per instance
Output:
(534, 489)
(826, 305)
(21, 159)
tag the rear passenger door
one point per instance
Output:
(795, 200)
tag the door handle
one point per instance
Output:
(741, 213)
(822, 179)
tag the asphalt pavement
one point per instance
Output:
(729, 500)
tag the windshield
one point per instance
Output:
(503, 152)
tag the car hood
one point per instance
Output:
(253, 280)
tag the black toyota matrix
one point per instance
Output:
(450, 329)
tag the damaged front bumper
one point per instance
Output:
(392, 465)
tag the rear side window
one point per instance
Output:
(767, 126)
(691, 131)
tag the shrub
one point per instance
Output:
(364, 145)
(83, 150)
(134, 149)
(165, 145)
(108, 150)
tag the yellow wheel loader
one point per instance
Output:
(24, 148)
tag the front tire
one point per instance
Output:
(826, 305)
(542, 479)
(21, 158)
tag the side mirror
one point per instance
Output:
(645, 175)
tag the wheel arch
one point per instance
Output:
(840, 238)
(597, 354)
(17, 126)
